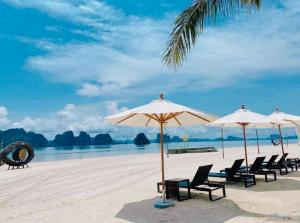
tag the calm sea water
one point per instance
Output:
(80, 152)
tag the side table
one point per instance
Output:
(172, 188)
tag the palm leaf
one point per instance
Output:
(192, 21)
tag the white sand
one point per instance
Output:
(122, 189)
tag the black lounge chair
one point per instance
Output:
(281, 165)
(255, 169)
(294, 161)
(291, 163)
(288, 163)
(231, 174)
(201, 183)
(271, 161)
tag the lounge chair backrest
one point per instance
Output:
(282, 159)
(271, 160)
(257, 163)
(201, 175)
(235, 167)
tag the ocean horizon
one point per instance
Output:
(81, 152)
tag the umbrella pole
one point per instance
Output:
(245, 145)
(280, 135)
(162, 160)
(257, 142)
(222, 142)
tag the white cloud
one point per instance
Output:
(90, 90)
(72, 117)
(3, 112)
(87, 12)
(127, 57)
(124, 59)
(112, 108)
(44, 44)
(67, 112)
(90, 118)
(4, 121)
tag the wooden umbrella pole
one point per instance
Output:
(281, 142)
(257, 142)
(222, 141)
(245, 144)
(162, 158)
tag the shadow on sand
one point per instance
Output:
(199, 209)
(190, 211)
(283, 183)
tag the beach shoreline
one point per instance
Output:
(82, 152)
(123, 188)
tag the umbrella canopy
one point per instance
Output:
(158, 111)
(245, 119)
(275, 122)
(161, 113)
(284, 120)
(290, 120)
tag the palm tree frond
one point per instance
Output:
(192, 21)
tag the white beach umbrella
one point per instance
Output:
(160, 113)
(273, 122)
(284, 120)
(245, 119)
(294, 120)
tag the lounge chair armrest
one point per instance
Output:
(227, 170)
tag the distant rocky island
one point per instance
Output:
(12, 135)
(141, 139)
(84, 139)
(65, 139)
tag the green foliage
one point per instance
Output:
(193, 20)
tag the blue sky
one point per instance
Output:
(66, 64)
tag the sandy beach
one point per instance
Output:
(122, 189)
